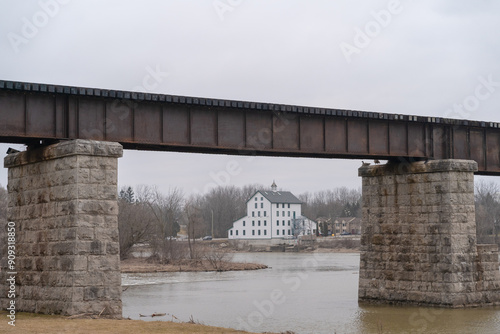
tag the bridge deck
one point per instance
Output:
(30, 112)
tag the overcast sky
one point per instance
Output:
(426, 57)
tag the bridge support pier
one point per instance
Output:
(63, 201)
(418, 242)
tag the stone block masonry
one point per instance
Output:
(63, 199)
(418, 242)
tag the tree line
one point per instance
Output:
(150, 216)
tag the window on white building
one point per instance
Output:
(244, 232)
(277, 213)
(255, 198)
(265, 232)
(289, 232)
(288, 213)
(283, 232)
(253, 222)
(256, 205)
(262, 205)
(262, 198)
(258, 223)
(236, 232)
(258, 213)
(253, 232)
(283, 213)
(288, 223)
(278, 205)
(258, 232)
(277, 232)
(277, 223)
(231, 232)
(243, 223)
(265, 222)
(283, 223)
(265, 213)
(289, 206)
(253, 214)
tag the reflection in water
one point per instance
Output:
(306, 293)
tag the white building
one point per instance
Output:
(270, 215)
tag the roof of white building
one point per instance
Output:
(280, 197)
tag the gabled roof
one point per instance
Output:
(280, 197)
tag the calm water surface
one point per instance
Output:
(302, 292)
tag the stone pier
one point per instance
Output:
(63, 201)
(418, 243)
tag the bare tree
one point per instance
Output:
(338, 202)
(194, 222)
(135, 222)
(217, 257)
(487, 212)
(166, 210)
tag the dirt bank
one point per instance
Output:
(140, 265)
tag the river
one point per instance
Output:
(301, 292)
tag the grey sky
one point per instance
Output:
(436, 58)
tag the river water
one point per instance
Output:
(301, 292)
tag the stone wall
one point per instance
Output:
(63, 200)
(418, 242)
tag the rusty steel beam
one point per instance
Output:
(30, 113)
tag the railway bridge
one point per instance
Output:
(418, 235)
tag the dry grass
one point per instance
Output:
(137, 265)
(28, 323)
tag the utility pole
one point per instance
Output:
(212, 223)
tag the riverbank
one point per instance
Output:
(29, 323)
(140, 265)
